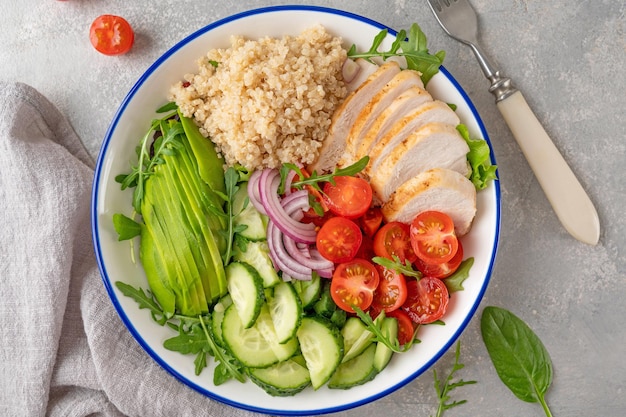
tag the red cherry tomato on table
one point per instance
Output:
(394, 239)
(353, 283)
(406, 328)
(391, 292)
(433, 238)
(111, 35)
(339, 239)
(443, 270)
(427, 300)
(349, 197)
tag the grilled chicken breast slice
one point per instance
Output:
(436, 189)
(344, 117)
(434, 145)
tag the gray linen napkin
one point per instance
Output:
(63, 349)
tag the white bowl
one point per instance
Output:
(130, 123)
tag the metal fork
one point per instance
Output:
(563, 190)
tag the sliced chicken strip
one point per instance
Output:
(434, 145)
(366, 69)
(403, 105)
(436, 189)
(374, 108)
(344, 117)
(434, 111)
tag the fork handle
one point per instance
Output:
(567, 197)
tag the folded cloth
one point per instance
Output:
(63, 349)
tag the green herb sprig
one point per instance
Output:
(374, 326)
(413, 48)
(193, 337)
(444, 387)
(150, 154)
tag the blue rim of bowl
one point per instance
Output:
(107, 282)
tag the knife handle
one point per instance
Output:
(563, 190)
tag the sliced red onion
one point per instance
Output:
(268, 192)
(284, 262)
(303, 255)
(253, 191)
(289, 180)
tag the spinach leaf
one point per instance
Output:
(520, 358)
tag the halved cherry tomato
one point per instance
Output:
(349, 197)
(433, 238)
(339, 239)
(366, 250)
(443, 270)
(394, 239)
(371, 220)
(111, 35)
(406, 328)
(391, 292)
(353, 284)
(427, 300)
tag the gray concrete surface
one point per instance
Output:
(569, 60)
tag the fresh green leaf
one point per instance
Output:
(455, 281)
(168, 107)
(520, 358)
(231, 179)
(186, 343)
(482, 169)
(314, 179)
(443, 388)
(413, 48)
(405, 269)
(145, 300)
(125, 227)
(374, 326)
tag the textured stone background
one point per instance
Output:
(567, 57)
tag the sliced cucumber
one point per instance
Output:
(257, 254)
(356, 338)
(389, 328)
(217, 316)
(265, 326)
(255, 221)
(325, 306)
(284, 379)
(245, 287)
(356, 371)
(322, 347)
(248, 346)
(309, 291)
(285, 309)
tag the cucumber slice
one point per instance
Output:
(255, 221)
(308, 291)
(285, 309)
(356, 371)
(248, 346)
(245, 287)
(265, 326)
(217, 316)
(257, 254)
(356, 338)
(284, 379)
(322, 347)
(389, 328)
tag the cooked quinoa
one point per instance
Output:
(268, 101)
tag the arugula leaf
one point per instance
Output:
(149, 154)
(405, 269)
(314, 179)
(145, 300)
(374, 326)
(192, 342)
(482, 169)
(231, 179)
(443, 388)
(520, 358)
(455, 281)
(413, 48)
(125, 227)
